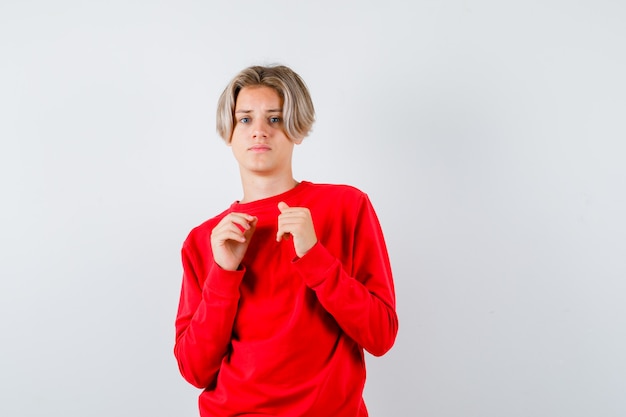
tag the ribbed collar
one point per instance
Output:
(260, 205)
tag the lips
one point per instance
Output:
(260, 148)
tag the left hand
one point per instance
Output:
(296, 221)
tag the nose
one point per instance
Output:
(259, 129)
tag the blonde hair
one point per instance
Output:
(298, 110)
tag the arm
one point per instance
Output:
(362, 301)
(204, 322)
(206, 312)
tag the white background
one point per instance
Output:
(488, 134)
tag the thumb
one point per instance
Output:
(250, 231)
(282, 206)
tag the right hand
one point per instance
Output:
(230, 239)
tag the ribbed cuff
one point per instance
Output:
(315, 264)
(223, 282)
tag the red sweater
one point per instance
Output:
(284, 336)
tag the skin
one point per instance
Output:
(264, 153)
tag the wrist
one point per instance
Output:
(301, 253)
(228, 267)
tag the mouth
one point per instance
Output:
(260, 148)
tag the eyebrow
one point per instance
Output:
(267, 111)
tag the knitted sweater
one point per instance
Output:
(284, 336)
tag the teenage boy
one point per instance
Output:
(283, 291)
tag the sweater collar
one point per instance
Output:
(269, 201)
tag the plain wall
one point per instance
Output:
(488, 134)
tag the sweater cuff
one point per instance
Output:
(223, 282)
(315, 264)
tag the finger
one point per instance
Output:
(295, 211)
(229, 234)
(293, 221)
(251, 229)
(240, 217)
(286, 233)
(282, 236)
(283, 232)
(242, 221)
(292, 218)
(253, 222)
(232, 231)
(279, 235)
(282, 206)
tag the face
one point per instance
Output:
(259, 142)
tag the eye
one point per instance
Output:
(275, 119)
(244, 120)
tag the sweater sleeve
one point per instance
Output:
(204, 321)
(361, 300)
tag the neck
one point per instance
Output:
(257, 188)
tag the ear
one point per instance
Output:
(297, 141)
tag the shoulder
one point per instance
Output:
(342, 191)
(335, 199)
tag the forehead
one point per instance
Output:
(258, 97)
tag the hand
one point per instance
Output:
(230, 239)
(296, 221)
